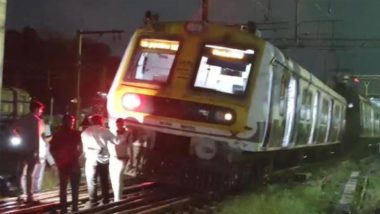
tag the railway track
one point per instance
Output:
(145, 197)
(137, 198)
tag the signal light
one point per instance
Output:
(356, 80)
(131, 101)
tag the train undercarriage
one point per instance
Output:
(171, 160)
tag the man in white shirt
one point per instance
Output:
(44, 156)
(95, 139)
(119, 155)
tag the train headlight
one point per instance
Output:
(131, 101)
(224, 116)
(15, 141)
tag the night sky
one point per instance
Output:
(357, 19)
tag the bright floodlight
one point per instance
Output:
(15, 141)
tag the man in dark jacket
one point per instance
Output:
(66, 148)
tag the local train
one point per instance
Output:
(214, 103)
(14, 104)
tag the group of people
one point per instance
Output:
(106, 154)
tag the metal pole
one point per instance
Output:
(78, 78)
(297, 2)
(205, 10)
(3, 9)
(366, 84)
(51, 109)
(79, 36)
(50, 89)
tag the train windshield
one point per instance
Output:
(153, 60)
(224, 69)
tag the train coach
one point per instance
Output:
(362, 117)
(213, 103)
(14, 104)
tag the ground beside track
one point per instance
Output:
(321, 193)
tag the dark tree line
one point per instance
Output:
(46, 67)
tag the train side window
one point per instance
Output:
(285, 80)
(337, 120)
(325, 111)
(336, 117)
(306, 105)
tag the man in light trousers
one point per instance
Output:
(95, 139)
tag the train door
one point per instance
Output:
(329, 120)
(377, 122)
(315, 118)
(323, 120)
(336, 122)
(278, 107)
(305, 117)
(290, 112)
(372, 121)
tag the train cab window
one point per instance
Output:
(153, 60)
(224, 69)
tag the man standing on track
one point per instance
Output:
(30, 129)
(66, 148)
(95, 139)
(119, 155)
(44, 158)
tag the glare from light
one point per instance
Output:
(159, 44)
(131, 101)
(15, 141)
(350, 105)
(228, 54)
(102, 94)
(228, 116)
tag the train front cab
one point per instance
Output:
(187, 89)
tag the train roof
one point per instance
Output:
(199, 26)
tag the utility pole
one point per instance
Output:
(366, 85)
(3, 9)
(205, 10)
(297, 10)
(50, 90)
(79, 38)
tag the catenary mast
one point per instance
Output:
(3, 8)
